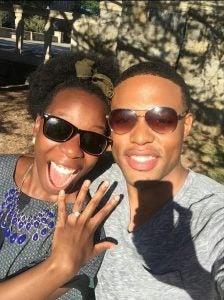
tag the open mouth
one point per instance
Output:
(61, 176)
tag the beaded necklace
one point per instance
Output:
(18, 227)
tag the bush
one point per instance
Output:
(3, 18)
(35, 23)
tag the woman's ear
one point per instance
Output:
(188, 124)
(36, 126)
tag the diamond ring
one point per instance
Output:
(76, 213)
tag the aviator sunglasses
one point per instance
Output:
(60, 130)
(159, 119)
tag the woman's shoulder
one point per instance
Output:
(113, 174)
(7, 160)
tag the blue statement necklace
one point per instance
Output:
(19, 227)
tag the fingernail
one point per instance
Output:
(106, 184)
(87, 183)
(115, 199)
(61, 193)
(113, 247)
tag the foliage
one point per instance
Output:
(86, 7)
(3, 18)
(35, 23)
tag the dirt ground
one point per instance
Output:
(15, 123)
(199, 153)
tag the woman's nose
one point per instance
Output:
(141, 133)
(71, 148)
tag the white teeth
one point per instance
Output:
(142, 158)
(62, 169)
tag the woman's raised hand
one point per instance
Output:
(73, 242)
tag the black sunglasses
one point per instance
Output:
(159, 119)
(60, 130)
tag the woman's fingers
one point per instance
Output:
(104, 212)
(82, 196)
(103, 246)
(87, 214)
(81, 200)
(94, 202)
(76, 230)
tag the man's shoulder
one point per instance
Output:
(205, 183)
(112, 174)
(202, 194)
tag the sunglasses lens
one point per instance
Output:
(162, 119)
(57, 129)
(93, 143)
(122, 120)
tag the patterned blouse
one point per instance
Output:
(26, 232)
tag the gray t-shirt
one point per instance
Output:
(177, 255)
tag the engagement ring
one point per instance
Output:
(76, 213)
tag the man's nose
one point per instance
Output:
(71, 148)
(141, 133)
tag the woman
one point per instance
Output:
(47, 227)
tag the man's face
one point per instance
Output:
(141, 153)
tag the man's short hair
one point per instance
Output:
(157, 67)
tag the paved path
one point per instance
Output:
(32, 51)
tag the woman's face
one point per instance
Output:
(61, 165)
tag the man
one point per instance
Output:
(169, 225)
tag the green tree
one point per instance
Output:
(34, 23)
(3, 18)
(87, 7)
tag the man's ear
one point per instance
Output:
(188, 124)
(36, 126)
